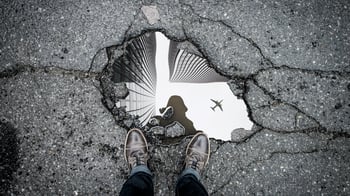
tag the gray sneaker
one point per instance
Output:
(197, 152)
(135, 148)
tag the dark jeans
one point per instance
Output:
(141, 184)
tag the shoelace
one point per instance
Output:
(138, 158)
(195, 161)
(194, 165)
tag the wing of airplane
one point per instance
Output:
(220, 106)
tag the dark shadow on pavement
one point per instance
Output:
(8, 156)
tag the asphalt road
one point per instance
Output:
(288, 60)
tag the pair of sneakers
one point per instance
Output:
(136, 150)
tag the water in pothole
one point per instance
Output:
(158, 69)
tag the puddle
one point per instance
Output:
(155, 69)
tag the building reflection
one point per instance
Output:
(136, 67)
(190, 67)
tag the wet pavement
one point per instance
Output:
(287, 60)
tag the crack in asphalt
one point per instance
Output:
(315, 71)
(18, 69)
(286, 103)
(132, 23)
(251, 41)
(220, 143)
(93, 59)
(210, 64)
(256, 45)
(334, 136)
(246, 139)
(269, 157)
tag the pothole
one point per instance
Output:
(150, 73)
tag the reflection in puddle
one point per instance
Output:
(137, 69)
(177, 69)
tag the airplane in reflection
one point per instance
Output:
(217, 104)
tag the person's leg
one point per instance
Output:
(139, 183)
(197, 156)
(189, 184)
(136, 154)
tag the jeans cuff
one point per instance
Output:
(190, 171)
(140, 168)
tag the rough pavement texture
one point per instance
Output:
(288, 60)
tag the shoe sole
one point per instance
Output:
(127, 135)
(200, 133)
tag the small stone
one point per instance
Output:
(120, 91)
(175, 129)
(151, 14)
(157, 130)
(128, 122)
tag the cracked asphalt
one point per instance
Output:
(288, 60)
